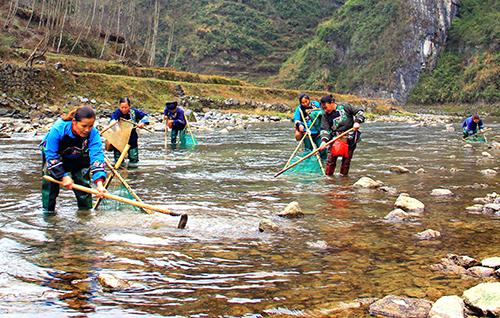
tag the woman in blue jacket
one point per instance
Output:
(304, 116)
(72, 152)
(137, 116)
(471, 124)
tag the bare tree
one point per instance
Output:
(170, 43)
(156, 20)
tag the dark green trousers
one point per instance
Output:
(50, 191)
(133, 155)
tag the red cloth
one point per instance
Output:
(340, 148)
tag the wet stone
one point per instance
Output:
(484, 298)
(448, 307)
(441, 193)
(366, 182)
(480, 271)
(409, 204)
(401, 307)
(493, 262)
(476, 208)
(112, 282)
(266, 225)
(397, 215)
(428, 234)
(292, 210)
(399, 169)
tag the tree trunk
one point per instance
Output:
(170, 43)
(156, 21)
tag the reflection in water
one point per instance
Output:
(220, 265)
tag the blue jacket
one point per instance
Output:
(470, 127)
(178, 118)
(134, 115)
(66, 152)
(297, 117)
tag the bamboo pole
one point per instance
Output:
(115, 197)
(298, 146)
(313, 152)
(312, 141)
(135, 124)
(110, 177)
(108, 127)
(118, 175)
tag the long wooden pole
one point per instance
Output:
(313, 152)
(122, 180)
(135, 124)
(115, 197)
(110, 177)
(108, 127)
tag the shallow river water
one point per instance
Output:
(220, 265)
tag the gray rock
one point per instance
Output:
(266, 225)
(491, 208)
(409, 204)
(493, 262)
(467, 146)
(397, 215)
(480, 271)
(448, 307)
(489, 172)
(428, 234)
(448, 266)
(421, 170)
(476, 208)
(441, 193)
(486, 154)
(366, 182)
(463, 260)
(389, 190)
(113, 282)
(484, 298)
(292, 210)
(399, 169)
(401, 307)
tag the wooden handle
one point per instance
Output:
(108, 127)
(313, 152)
(115, 197)
(135, 124)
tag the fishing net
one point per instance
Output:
(118, 135)
(117, 188)
(309, 166)
(187, 139)
(476, 138)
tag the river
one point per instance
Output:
(220, 265)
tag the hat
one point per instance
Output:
(171, 105)
(327, 99)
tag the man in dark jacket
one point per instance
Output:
(337, 119)
(176, 120)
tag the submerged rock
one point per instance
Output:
(397, 215)
(389, 190)
(491, 208)
(401, 307)
(484, 298)
(366, 182)
(266, 225)
(113, 282)
(409, 204)
(463, 260)
(476, 208)
(399, 169)
(448, 307)
(421, 170)
(292, 210)
(428, 234)
(441, 193)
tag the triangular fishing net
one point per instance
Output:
(187, 139)
(476, 138)
(117, 188)
(119, 134)
(309, 166)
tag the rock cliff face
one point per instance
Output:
(428, 34)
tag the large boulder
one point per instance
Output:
(448, 307)
(484, 298)
(366, 182)
(292, 210)
(401, 307)
(409, 204)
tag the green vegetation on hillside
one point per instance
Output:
(355, 48)
(469, 69)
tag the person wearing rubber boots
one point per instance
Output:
(337, 119)
(72, 152)
(137, 116)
